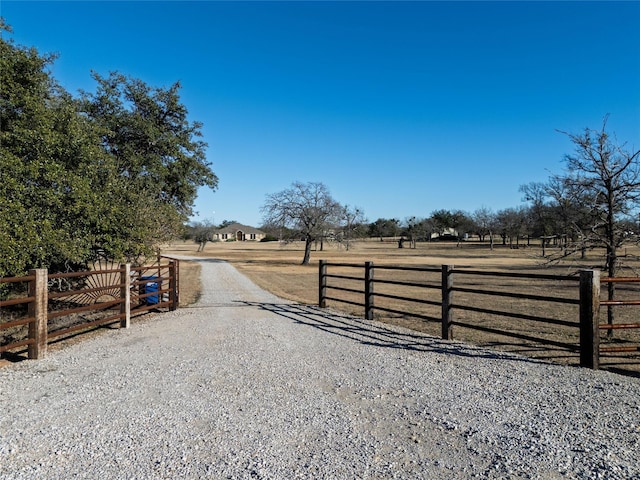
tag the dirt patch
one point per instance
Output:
(190, 286)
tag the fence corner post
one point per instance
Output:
(322, 284)
(368, 291)
(125, 295)
(38, 311)
(447, 302)
(589, 319)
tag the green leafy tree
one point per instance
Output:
(113, 173)
(45, 183)
(158, 156)
(445, 221)
(384, 227)
(203, 233)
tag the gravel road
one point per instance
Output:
(246, 385)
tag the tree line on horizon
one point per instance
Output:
(593, 203)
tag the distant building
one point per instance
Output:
(446, 234)
(239, 232)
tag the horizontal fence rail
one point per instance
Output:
(444, 296)
(619, 303)
(90, 298)
(460, 273)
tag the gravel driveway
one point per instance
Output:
(246, 385)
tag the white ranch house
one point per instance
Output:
(239, 232)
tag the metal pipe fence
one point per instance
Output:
(445, 295)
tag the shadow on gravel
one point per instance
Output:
(371, 333)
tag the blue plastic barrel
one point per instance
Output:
(151, 287)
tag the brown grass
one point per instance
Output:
(190, 286)
(276, 268)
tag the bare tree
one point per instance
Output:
(352, 221)
(409, 230)
(608, 176)
(571, 215)
(485, 222)
(537, 194)
(304, 209)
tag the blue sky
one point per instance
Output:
(400, 108)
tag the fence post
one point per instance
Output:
(125, 295)
(177, 280)
(38, 310)
(589, 314)
(173, 285)
(322, 284)
(447, 302)
(368, 291)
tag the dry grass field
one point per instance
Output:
(276, 268)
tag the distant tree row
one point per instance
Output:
(112, 173)
(593, 203)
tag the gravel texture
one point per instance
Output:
(246, 385)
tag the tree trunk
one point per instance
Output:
(307, 251)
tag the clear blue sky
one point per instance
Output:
(399, 108)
